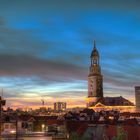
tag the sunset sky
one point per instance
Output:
(45, 48)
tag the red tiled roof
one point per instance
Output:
(51, 122)
(82, 128)
(73, 126)
(131, 122)
(111, 131)
(133, 132)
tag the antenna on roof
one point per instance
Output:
(2, 93)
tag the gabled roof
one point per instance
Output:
(31, 119)
(99, 105)
(113, 101)
(53, 122)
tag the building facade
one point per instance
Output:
(137, 97)
(95, 99)
(60, 106)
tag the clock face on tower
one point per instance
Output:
(100, 86)
(95, 86)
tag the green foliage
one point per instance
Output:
(121, 134)
(84, 138)
(74, 136)
(105, 137)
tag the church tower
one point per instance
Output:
(95, 79)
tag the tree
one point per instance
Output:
(74, 136)
(121, 134)
(105, 137)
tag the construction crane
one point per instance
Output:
(42, 101)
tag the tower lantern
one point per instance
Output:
(94, 55)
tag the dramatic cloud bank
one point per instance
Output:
(45, 49)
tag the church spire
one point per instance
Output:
(95, 78)
(94, 44)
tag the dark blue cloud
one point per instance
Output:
(45, 46)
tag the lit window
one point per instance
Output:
(6, 126)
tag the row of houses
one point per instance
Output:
(51, 125)
(86, 123)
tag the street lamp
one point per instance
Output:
(43, 127)
(16, 126)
